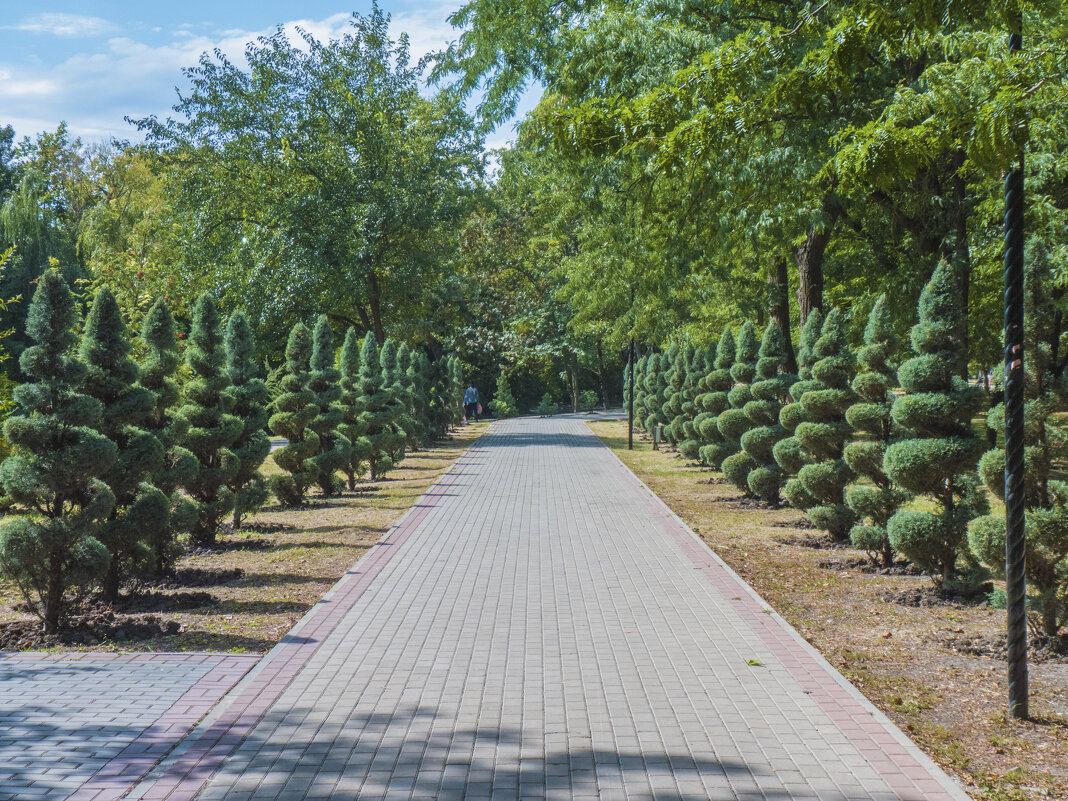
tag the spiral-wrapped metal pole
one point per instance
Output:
(1014, 429)
(630, 400)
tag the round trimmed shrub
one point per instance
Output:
(733, 422)
(789, 454)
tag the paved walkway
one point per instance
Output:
(540, 626)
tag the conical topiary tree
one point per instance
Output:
(789, 453)
(324, 382)
(653, 385)
(250, 407)
(406, 379)
(391, 375)
(419, 380)
(1045, 499)
(141, 510)
(824, 432)
(352, 427)
(937, 408)
(733, 422)
(677, 379)
(157, 374)
(714, 402)
(546, 406)
(208, 400)
(56, 467)
(874, 502)
(294, 411)
(769, 390)
(690, 444)
(379, 410)
(503, 403)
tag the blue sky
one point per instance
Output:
(93, 62)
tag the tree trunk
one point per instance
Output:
(779, 308)
(53, 600)
(572, 367)
(810, 269)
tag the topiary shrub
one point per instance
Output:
(655, 384)
(406, 378)
(789, 454)
(546, 406)
(769, 390)
(324, 380)
(397, 401)
(250, 407)
(825, 431)
(141, 510)
(714, 449)
(587, 401)
(157, 374)
(671, 411)
(937, 409)
(56, 466)
(380, 409)
(733, 422)
(208, 400)
(294, 410)
(418, 383)
(1045, 499)
(690, 445)
(875, 502)
(503, 403)
(352, 426)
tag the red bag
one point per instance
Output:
(479, 408)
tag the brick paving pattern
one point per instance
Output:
(87, 726)
(541, 627)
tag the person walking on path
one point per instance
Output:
(472, 407)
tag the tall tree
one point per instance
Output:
(250, 407)
(207, 402)
(57, 468)
(141, 511)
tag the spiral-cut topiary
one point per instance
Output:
(714, 402)
(503, 403)
(733, 422)
(55, 469)
(639, 392)
(208, 399)
(324, 381)
(676, 380)
(391, 374)
(415, 435)
(937, 408)
(825, 432)
(294, 410)
(380, 410)
(141, 510)
(874, 502)
(655, 385)
(157, 371)
(250, 407)
(1045, 499)
(352, 426)
(769, 390)
(789, 454)
(690, 444)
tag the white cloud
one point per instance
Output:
(69, 25)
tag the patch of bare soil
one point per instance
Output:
(262, 577)
(1040, 647)
(933, 667)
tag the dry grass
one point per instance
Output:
(286, 570)
(901, 657)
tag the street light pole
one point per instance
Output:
(1015, 582)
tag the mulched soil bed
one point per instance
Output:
(1040, 648)
(92, 627)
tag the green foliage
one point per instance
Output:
(789, 453)
(825, 430)
(396, 405)
(380, 410)
(717, 383)
(1045, 498)
(294, 410)
(875, 501)
(353, 427)
(57, 466)
(141, 511)
(937, 410)
(546, 406)
(769, 390)
(250, 407)
(157, 374)
(324, 383)
(207, 402)
(587, 400)
(503, 403)
(733, 422)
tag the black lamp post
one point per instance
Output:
(630, 400)
(1015, 585)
